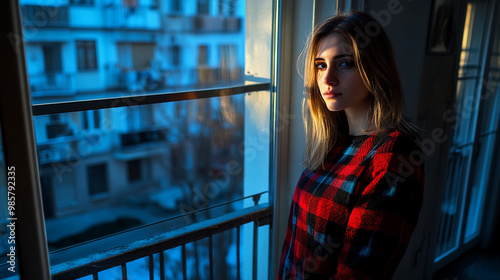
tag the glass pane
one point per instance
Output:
(489, 125)
(472, 40)
(491, 87)
(126, 47)
(479, 186)
(145, 164)
(452, 205)
(466, 110)
(108, 171)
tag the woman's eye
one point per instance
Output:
(346, 64)
(320, 66)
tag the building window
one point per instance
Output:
(86, 55)
(97, 178)
(203, 55)
(89, 118)
(175, 6)
(203, 7)
(134, 170)
(227, 7)
(97, 119)
(175, 55)
(85, 120)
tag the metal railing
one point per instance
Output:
(45, 16)
(132, 17)
(52, 84)
(259, 214)
(181, 23)
(144, 99)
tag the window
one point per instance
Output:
(198, 146)
(474, 132)
(90, 117)
(86, 55)
(97, 178)
(85, 120)
(176, 5)
(134, 170)
(203, 55)
(175, 55)
(203, 7)
(52, 58)
(97, 119)
(227, 7)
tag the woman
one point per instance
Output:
(357, 202)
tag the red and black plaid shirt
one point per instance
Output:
(353, 219)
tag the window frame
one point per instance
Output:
(38, 252)
(59, 257)
(19, 148)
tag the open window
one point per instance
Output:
(149, 125)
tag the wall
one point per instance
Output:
(428, 84)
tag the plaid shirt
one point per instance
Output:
(353, 219)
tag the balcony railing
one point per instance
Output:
(140, 17)
(45, 16)
(131, 139)
(51, 84)
(54, 153)
(202, 24)
(125, 250)
(155, 247)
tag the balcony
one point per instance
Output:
(139, 17)
(63, 143)
(142, 137)
(45, 16)
(211, 75)
(202, 24)
(51, 84)
(48, 154)
(142, 144)
(156, 250)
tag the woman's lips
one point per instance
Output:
(331, 94)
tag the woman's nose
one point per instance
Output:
(330, 77)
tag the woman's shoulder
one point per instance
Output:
(396, 141)
(398, 152)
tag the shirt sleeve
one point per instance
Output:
(385, 215)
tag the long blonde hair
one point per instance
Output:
(375, 61)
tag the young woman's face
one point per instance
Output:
(338, 77)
